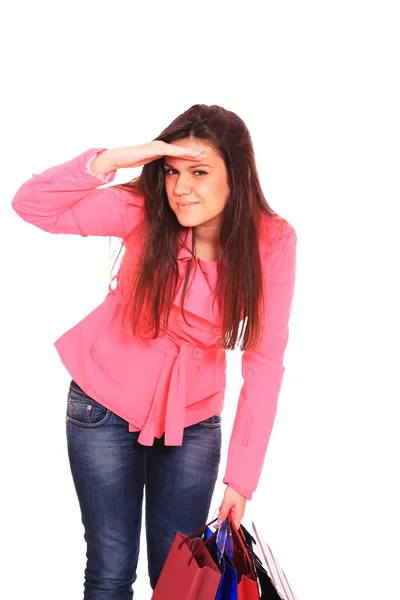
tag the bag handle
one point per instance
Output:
(202, 546)
(239, 535)
(187, 537)
(241, 539)
(197, 531)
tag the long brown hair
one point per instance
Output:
(240, 281)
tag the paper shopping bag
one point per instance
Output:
(220, 551)
(189, 572)
(238, 576)
(272, 579)
(248, 584)
(276, 573)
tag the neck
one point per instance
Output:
(206, 242)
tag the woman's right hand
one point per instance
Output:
(135, 156)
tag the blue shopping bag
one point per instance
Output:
(231, 554)
(221, 550)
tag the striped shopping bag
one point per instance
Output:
(274, 571)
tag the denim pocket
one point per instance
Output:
(211, 422)
(83, 410)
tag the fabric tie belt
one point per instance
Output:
(173, 379)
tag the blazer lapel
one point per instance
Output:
(199, 297)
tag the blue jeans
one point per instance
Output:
(110, 471)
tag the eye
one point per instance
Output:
(168, 172)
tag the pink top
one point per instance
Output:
(163, 385)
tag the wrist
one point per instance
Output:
(239, 491)
(104, 162)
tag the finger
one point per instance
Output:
(182, 151)
(237, 516)
(221, 519)
(238, 520)
(223, 514)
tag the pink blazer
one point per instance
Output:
(163, 385)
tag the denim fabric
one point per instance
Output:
(111, 471)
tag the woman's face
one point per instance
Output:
(200, 184)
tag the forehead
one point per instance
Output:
(211, 158)
(192, 143)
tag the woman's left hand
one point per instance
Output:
(233, 502)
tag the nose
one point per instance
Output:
(182, 185)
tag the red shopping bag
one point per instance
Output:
(248, 588)
(189, 572)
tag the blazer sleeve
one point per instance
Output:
(262, 372)
(66, 198)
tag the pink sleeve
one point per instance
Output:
(66, 198)
(103, 178)
(262, 372)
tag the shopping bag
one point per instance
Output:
(238, 575)
(189, 571)
(228, 587)
(272, 579)
(248, 584)
(271, 564)
(268, 590)
(221, 551)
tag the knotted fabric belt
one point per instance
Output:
(173, 379)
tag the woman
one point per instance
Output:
(203, 252)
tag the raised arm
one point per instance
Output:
(66, 198)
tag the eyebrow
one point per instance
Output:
(193, 167)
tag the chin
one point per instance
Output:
(189, 220)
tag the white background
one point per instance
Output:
(317, 85)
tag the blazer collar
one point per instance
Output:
(200, 296)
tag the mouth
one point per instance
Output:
(186, 206)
